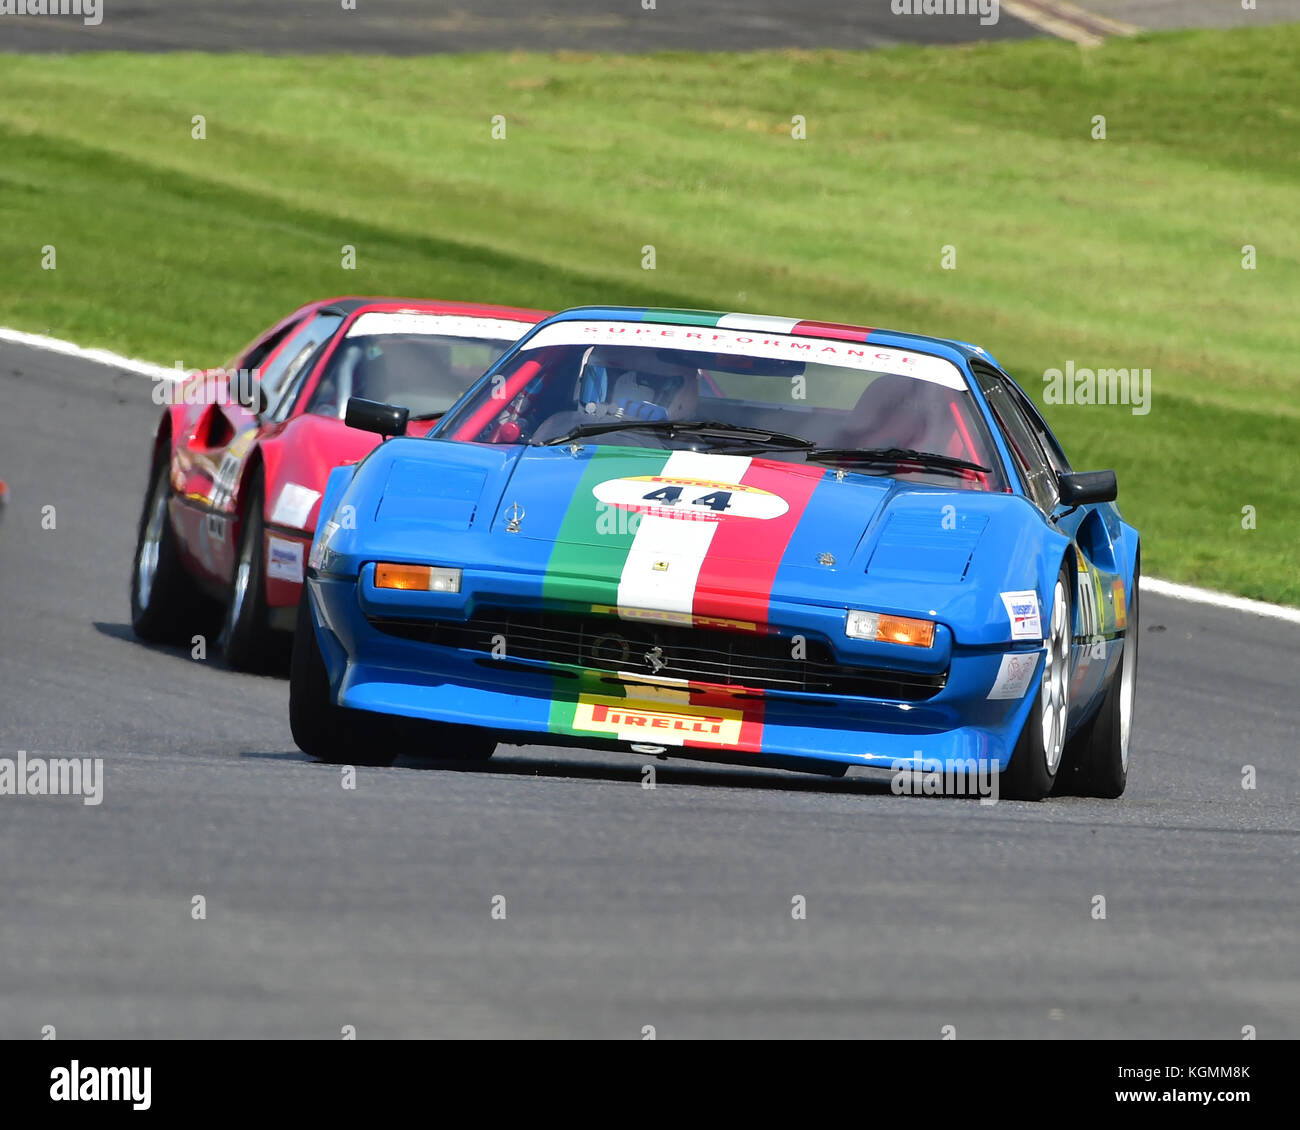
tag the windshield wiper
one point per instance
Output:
(929, 460)
(427, 416)
(713, 428)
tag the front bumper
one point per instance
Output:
(531, 701)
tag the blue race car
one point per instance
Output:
(731, 538)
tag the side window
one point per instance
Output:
(279, 377)
(1035, 469)
(1046, 440)
(264, 348)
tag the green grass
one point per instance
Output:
(1123, 252)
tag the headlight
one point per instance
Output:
(419, 578)
(322, 544)
(884, 628)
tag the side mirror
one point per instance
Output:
(372, 416)
(1083, 487)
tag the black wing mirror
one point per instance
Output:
(1079, 488)
(372, 416)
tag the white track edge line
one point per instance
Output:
(97, 356)
(1154, 585)
(1193, 595)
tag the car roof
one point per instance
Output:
(352, 304)
(950, 348)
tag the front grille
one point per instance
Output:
(709, 655)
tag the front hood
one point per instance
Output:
(692, 537)
(737, 508)
(682, 534)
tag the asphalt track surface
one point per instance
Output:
(625, 907)
(411, 27)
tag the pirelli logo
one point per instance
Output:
(631, 720)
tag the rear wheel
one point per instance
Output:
(1037, 756)
(166, 605)
(1096, 760)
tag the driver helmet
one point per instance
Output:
(624, 382)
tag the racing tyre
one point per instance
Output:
(1096, 760)
(166, 605)
(442, 740)
(1036, 759)
(246, 636)
(321, 729)
(341, 736)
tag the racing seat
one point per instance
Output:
(898, 411)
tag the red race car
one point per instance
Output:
(242, 452)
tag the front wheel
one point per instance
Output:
(1037, 756)
(320, 728)
(342, 736)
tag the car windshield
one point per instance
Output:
(771, 394)
(410, 360)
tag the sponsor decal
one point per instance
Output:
(1121, 604)
(1014, 674)
(1088, 598)
(226, 478)
(284, 560)
(294, 505)
(635, 720)
(701, 500)
(755, 342)
(1022, 611)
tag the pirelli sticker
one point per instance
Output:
(640, 721)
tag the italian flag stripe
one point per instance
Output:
(580, 576)
(831, 330)
(666, 555)
(735, 582)
(757, 323)
(690, 570)
(687, 317)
